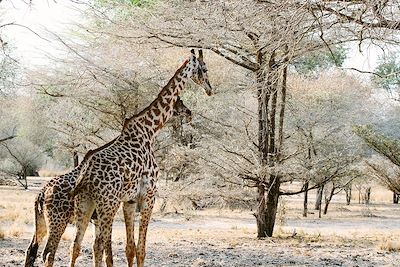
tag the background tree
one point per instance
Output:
(23, 155)
(388, 74)
(387, 147)
(259, 37)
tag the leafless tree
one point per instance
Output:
(263, 37)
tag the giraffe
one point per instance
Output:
(126, 171)
(54, 208)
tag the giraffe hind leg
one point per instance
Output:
(145, 214)
(40, 233)
(55, 233)
(129, 216)
(31, 253)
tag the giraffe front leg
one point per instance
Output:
(108, 248)
(102, 242)
(129, 216)
(145, 213)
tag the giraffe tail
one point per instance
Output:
(31, 252)
(78, 187)
(80, 184)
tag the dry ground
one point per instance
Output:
(355, 235)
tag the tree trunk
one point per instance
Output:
(395, 198)
(22, 178)
(318, 200)
(348, 194)
(305, 203)
(25, 180)
(267, 78)
(272, 204)
(367, 195)
(261, 215)
(328, 200)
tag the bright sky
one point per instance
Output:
(365, 60)
(41, 17)
(56, 16)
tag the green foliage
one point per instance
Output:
(318, 61)
(389, 73)
(384, 145)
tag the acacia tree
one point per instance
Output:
(388, 176)
(388, 148)
(263, 37)
(322, 111)
(388, 75)
(91, 92)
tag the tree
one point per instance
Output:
(21, 156)
(262, 37)
(388, 148)
(321, 113)
(383, 145)
(388, 75)
(22, 159)
(259, 37)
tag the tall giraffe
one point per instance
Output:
(126, 171)
(54, 208)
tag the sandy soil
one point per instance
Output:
(353, 235)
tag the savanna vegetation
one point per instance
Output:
(292, 131)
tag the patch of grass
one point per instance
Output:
(51, 173)
(10, 215)
(15, 230)
(2, 234)
(389, 245)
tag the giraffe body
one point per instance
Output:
(126, 171)
(54, 208)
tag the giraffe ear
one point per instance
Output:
(200, 54)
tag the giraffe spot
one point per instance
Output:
(135, 145)
(157, 112)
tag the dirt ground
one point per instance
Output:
(355, 235)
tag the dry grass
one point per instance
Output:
(207, 237)
(15, 230)
(16, 206)
(2, 234)
(381, 194)
(51, 173)
(389, 242)
(16, 211)
(389, 245)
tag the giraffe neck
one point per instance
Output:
(153, 117)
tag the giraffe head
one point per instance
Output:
(181, 110)
(199, 72)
